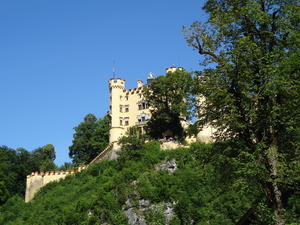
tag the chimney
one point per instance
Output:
(140, 83)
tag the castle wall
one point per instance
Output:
(127, 108)
(36, 180)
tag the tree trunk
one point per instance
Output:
(272, 189)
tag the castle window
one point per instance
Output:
(143, 105)
(126, 121)
(121, 109)
(121, 97)
(121, 121)
(126, 98)
(126, 108)
(143, 117)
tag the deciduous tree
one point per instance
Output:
(169, 99)
(251, 91)
(90, 139)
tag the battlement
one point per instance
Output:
(135, 90)
(54, 173)
(116, 83)
(173, 69)
(36, 180)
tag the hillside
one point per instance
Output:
(160, 187)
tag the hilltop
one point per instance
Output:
(143, 186)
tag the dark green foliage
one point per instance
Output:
(46, 155)
(67, 166)
(250, 93)
(15, 165)
(90, 139)
(203, 193)
(98, 194)
(169, 98)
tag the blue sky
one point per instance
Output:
(56, 58)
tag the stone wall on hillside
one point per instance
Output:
(37, 180)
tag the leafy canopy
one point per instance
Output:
(170, 101)
(90, 138)
(249, 94)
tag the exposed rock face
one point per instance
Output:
(136, 213)
(170, 166)
(136, 216)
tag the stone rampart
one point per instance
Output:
(37, 180)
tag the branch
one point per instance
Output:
(202, 52)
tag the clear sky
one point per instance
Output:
(56, 58)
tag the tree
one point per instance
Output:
(169, 99)
(132, 144)
(67, 166)
(4, 177)
(44, 157)
(250, 92)
(15, 165)
(90, 139)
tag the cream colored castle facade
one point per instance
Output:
(128, 107)
(36, 180)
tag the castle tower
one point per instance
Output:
(116, 87)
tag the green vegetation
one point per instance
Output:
(170, 100)
(99, 193)
(251, 92)
(90, 139)
(15, 165)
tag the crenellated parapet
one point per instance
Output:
(36, 180)
(116, 83)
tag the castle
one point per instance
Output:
(128, 107)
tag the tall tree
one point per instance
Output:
(169, 99)
(91, 137)
(250, 93)
(44, 157)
